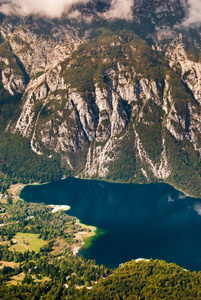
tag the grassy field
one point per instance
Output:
(17, 279)
(8, 264)
(26, 241)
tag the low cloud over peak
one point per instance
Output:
(193, 13)
(48, 8)
(121, 9)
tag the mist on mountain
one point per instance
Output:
(193, 13)
(48, 8)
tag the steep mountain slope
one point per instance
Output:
(113, 99)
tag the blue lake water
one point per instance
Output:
(150, 221)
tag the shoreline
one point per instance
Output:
(104, 180)
(56, 208)
(15, 189)
(84, 235)
(135, 183)
(87, 232)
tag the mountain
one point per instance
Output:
(105, 98)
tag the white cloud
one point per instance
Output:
(55, 8)
(170, 199)
(181, 196)
(121, 9)
(197, 208)
(49, 8)
(193, 13)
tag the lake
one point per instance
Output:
(150, 221)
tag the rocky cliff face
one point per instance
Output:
(111, 104)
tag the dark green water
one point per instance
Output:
(150, 221)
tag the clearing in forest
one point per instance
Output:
(26, 241)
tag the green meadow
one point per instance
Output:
(26, 241)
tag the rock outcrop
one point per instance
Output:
(98, 99)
